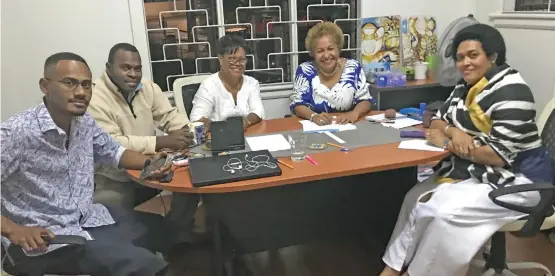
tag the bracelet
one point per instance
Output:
(312, 116)
(247, 120)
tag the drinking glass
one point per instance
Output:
(298, 146)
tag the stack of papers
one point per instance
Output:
(274, 142)
(310, 127)
(418, 145)
(401, 121)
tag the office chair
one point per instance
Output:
(16, 252)
(543, 120)
(540, 217)
(184, 90)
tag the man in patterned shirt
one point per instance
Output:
(48, 155)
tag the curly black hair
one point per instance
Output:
(491, 39)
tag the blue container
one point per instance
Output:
(381, 80)
(422, 109)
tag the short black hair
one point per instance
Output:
(230, 43)
(53, 60)
(121, 46)
(491, 39)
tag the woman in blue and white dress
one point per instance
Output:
(330, 83)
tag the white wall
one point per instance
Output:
(34, 29)
(529, 40)
(532, 53)
(485, 8)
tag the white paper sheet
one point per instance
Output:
(402, 123)
(310, 127)
(418, 145)
(274, 142)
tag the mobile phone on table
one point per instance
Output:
(180, 160)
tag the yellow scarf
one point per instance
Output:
(477, 115)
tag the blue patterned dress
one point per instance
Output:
(350, 90)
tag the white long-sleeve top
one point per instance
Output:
(214, 102)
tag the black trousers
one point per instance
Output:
(124, 248)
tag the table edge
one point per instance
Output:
(217, 190)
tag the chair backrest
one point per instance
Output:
(188, 93)
(548, 134)
(547, 129)
(184, 90)
(545, 113)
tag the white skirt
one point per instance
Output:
(442, 226)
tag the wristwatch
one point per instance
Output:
(246, 121)
(446, 143)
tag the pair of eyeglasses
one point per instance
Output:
(72, 83)
(234, 60)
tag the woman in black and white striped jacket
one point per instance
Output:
(488, 125)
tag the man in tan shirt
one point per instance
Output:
(129, 109)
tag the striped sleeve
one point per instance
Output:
(513, 126)
(448, 103)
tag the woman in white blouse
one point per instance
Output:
(229, 93)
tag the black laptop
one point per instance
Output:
(227, 135)
(213, 170)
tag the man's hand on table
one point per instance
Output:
(165, 168)
(158, 167)
(176, 140)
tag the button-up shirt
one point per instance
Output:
(49, 185)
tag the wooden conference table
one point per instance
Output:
(348, 194)
(331, 164)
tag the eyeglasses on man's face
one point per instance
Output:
(72, 83)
